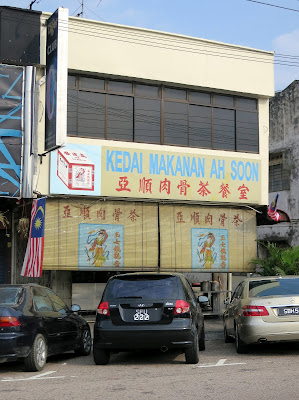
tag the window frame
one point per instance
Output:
(161, 96)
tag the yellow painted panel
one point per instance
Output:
(207, 238)
(155, 174)
(100, 235)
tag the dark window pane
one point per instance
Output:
(58, 303)
(41, 301)
(175, 123)
(274, 287)
(122, 87)
(91, 114)
(275, 178)
(120, 118)
(91, 83)
(224, 129)
(198, 97)
(147, 91)
(223, 101)
(279, 178)
(147, 120)
(247, 131)
(179, 94)
(71, 82)
(200, 126)
(72, 109)
(143, 288)
(246, 104)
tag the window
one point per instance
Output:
(175, 123)
(223, 101)
(91, 83)
(247, 131)
(121, 87)
(223, 129)
(199, 97)
(147, 120)
(146, 90)
(279, 176)
(128, 111)
(41, 301)
(91, 109)
(200, 126)
(120, 118)
(179, 94)
(58, 303)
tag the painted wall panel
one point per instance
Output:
(100, 235)
(207, 239)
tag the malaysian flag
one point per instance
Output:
(272, 210)
(33, 261)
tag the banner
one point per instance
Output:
(33, 261)
(207, 239)
(93, 235)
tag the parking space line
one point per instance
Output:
(220, 363)
(38, 377)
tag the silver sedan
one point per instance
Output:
(263, 309)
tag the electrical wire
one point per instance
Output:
(105, 33)
(272, 5)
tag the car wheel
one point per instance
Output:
(227, 338)
(241, 347)
(85, 343)
(191, 353)
(202, 342)
(36, 359)
(101, 356)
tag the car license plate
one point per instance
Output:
(288, 311)
(141, 315)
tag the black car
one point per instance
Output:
(36, 323)
(149, 311)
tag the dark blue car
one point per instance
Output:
(36, 323)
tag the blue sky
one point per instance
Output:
(240, 22)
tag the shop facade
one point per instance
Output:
(165, 160)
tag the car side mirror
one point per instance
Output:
(75, 308)
(202, 300)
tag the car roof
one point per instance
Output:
(148, 274)
(18, 285)
(262, 278)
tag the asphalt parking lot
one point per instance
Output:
(266, 372)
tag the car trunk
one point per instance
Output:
(280, 308)
(138, 312)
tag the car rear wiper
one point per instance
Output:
(129, 297)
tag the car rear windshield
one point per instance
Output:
(162, 288)
(274, 287)
(10, 295)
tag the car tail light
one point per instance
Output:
(181, 307)
(9, 321)
(103, 308)
(255, 311)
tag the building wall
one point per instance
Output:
(125, 51)
(284, 132)
(111, 50)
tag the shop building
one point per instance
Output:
(165, 160)
(283, 168)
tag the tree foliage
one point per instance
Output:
(279, 261)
